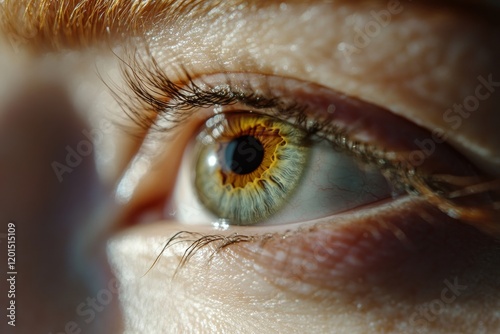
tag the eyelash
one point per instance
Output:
(155, 96)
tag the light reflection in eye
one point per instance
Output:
(255, 169)
(212, 161)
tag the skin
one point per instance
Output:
(418, 66)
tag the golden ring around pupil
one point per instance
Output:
(269, 140)
(237, 181)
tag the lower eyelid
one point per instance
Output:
(383, 253)
(409, 244)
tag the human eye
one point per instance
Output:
(263, 137)
(264, 146)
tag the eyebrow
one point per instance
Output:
(59, 24)
(46, 25)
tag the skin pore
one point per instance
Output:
(426, 59)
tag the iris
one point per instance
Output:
(248, 165)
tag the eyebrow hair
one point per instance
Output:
(46, 25)
(58, 24)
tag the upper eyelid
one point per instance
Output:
(156, 93)
(157, 96)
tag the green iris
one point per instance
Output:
(248, 165)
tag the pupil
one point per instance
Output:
(243, 155)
